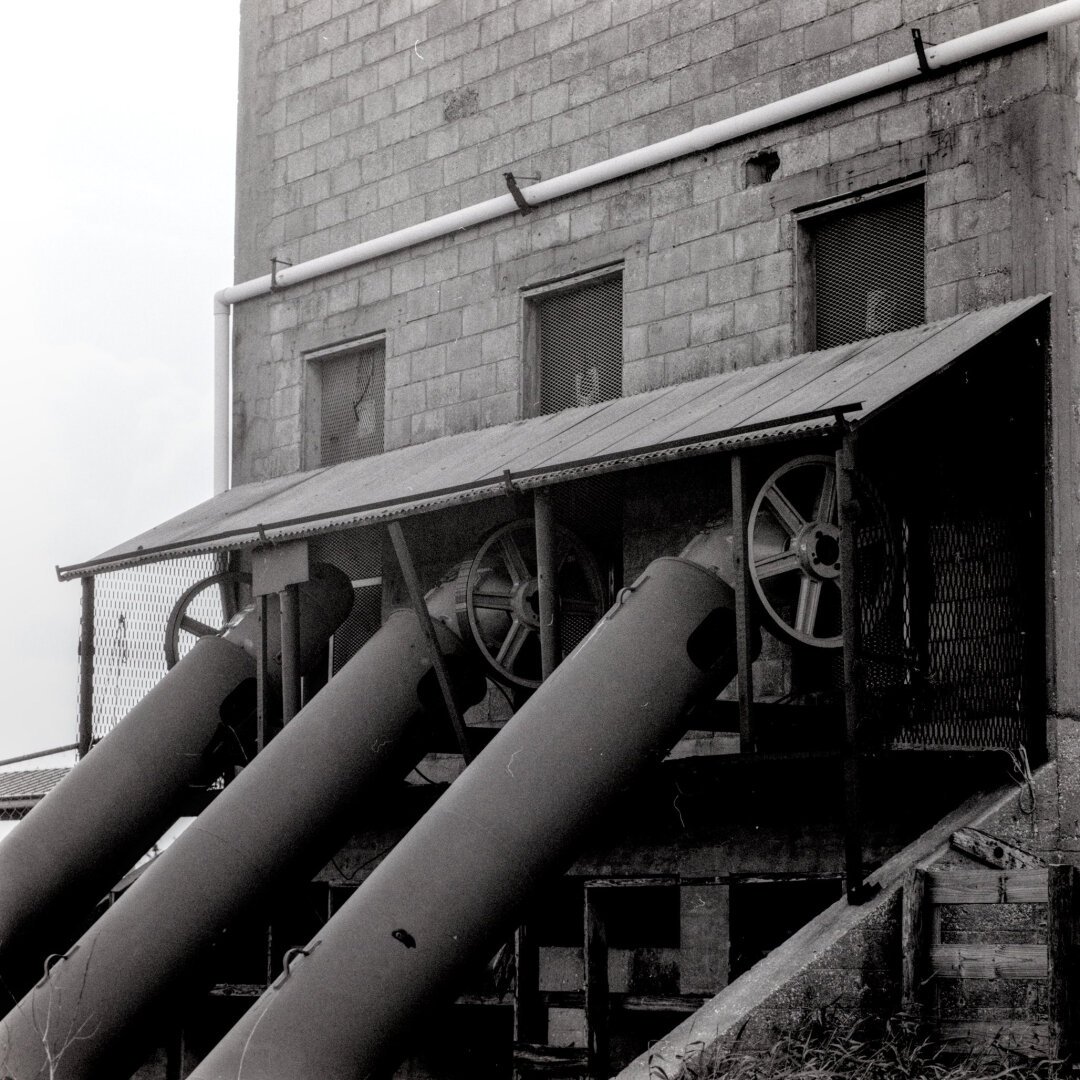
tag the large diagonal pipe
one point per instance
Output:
(107, 812)
(451, 890)
(273, 827)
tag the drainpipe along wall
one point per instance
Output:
(872, 80)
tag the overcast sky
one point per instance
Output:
(117, 190)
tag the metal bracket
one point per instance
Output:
(508, 483)
(511, 182)
(290, 956)
(52, 960)
(920, 50)
(274, 264)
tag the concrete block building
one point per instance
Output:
(531, 296)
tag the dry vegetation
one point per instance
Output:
(899, 1049)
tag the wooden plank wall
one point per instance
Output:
(1039, 1020)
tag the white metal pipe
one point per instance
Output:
(874, 79)
(222, 395)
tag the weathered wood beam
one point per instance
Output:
(993, 851)
(914, 937)
(983, 887)
(1063, 911)
(979, 961)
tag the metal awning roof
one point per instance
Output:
(781, 400)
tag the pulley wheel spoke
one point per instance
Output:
(785, 512)
(515, 562)
(495, 601)
(826, 504)
(199, 629)
(807, 610)
(512, 643)
(781, 563)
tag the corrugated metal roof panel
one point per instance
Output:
(783, 399)
(29, 784)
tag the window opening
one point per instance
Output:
(864, 268)
(574, 344)
(351, 392)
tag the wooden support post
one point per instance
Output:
(597, 1005)
(544, 518)
(744, 609)
(261, 688)
(86, 668)
(914, 938)
(1063, 911)
(290, 653)
(438, 661)
(847, 514)
(530, 1020)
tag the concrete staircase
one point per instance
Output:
(850, 959)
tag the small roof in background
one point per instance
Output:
(785, 399)
(25, 786)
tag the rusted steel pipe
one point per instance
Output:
(274, 826)
(451, 890)
(107, 812)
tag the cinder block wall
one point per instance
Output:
(359, 118)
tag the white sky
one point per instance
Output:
(119, 127)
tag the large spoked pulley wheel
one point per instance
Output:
(183, 624)
(794, 536)
(497, 599)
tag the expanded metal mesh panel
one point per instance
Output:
(579, 344)
(869, 269)
(969, 684)
(358, 552)
(131, 609)
(884, 657)
(352, 387)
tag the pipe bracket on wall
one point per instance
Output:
(511, 183)
(920, 50)
(274, 264)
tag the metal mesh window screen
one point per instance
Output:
(869, 268)
(131, 608)
(358, 552)
(352, 386)
(578, 344)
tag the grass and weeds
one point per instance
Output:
(898, 1049)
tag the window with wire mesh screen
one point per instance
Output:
(573, 344)
(864, 268)
(352, 383)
